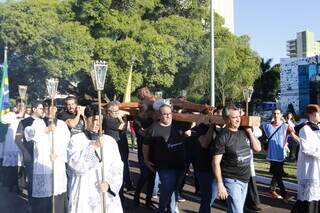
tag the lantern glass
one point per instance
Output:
(52, 87)
(98, 74)
(158, 94)
(247, 93)
(23, 91)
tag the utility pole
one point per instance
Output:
(212, 77)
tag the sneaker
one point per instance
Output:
(155, 195)
(151, 206)
(181, 199)
(286, 198)
(254, 208)
(130, 188)
(274, 194)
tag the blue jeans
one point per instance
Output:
(208, 189)
(170, 179)
(237, 192)
(156, 183)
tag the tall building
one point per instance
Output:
(225, 9)
(303, 46)
(299, 82)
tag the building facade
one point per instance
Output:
(299, 85)
(303, 46)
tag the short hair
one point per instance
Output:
(275, 109)
(143, 92)
(46, 103)
(71, 97)
(164, 105)
(311, 108)
(112, 104)
(91, 110)
(226, 110)
(35, 104)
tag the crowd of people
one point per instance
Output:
(59, 156)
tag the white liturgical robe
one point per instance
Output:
(85, 195)
(308, 165)
(42, 166)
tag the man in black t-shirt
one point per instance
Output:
(140, 124)
(231, 159)
(164, 150)
(72, 115)
(25, 147)
(115, 125)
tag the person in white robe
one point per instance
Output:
(12, 157)
(308, 165)
(84, 159)
(41, 133)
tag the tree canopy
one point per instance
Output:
(166, 43)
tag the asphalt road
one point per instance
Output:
(11, 202)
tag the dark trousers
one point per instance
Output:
(10, 176)
(126, 182)
(276, 169)
(29, 172)
(252, 198)
(306, 207)
(1, 171)
(44, 205)
(208, 189)
(146, 177)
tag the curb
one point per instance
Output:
(267, 180)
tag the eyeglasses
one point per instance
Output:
(166, 114)
(113, 111)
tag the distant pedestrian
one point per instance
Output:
(277, 132)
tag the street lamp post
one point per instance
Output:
(98, 76)
(52, 87)
(247, 93)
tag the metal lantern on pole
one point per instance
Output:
(52, 87)
(159, 94)
(98, 76)
(22, 89)
(247, 93)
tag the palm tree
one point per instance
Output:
(265, 66)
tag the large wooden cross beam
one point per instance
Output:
(133, 107)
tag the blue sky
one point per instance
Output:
(270, 23)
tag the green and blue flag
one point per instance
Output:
(4, 88)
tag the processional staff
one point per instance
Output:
(98, 75)
(52, 86)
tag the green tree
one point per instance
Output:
(236, 66)
(267, 86)
(42, 45)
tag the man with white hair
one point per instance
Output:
(231, 159)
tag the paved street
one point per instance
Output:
(12, 203)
